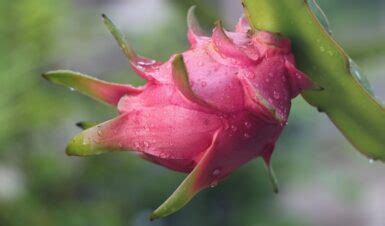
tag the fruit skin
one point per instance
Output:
(206, 111)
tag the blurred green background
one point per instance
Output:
(323, 180)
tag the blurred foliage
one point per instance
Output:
(25, 41)
(37, 119)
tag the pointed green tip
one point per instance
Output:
(218, 24)
(192, 21)
(174, 203)
(86, 124)
(163, 211)
(82, 146)
(272, 177)
(181, 196)
(45, 76)
(191, 10)
(178, 64)
(54, 76)
(64, 77)
(120, 39)
(77, 146)
(153, 217)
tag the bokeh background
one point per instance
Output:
(323, 180)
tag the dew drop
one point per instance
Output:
(85, 142)
(203, 84)
(146, 62)
(99, 131)
(371, 161)
(250, 75)
(200, 63)
(146, 128)
(72, 89)
(322, 49)
(356, 72)
(213, 184)
(136, 145)
(216, 172)
(330, 53)
(233, 128)
(246, 135)
(276, 95)
(248, 124)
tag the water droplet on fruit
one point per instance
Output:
(246, 135)
(250, 75)
(248, 124)
(99, 131)
(213, 184)
(146, 128)
(233, 128)
(276, 95)
(203, 83)
(146, 62)
(71, 89)
(136, 145)
(216, 172)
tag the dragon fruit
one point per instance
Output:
(205, 111)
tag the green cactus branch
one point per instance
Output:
(346, 97)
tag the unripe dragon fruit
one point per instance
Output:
(206, 111)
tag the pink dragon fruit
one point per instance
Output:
(206, 111)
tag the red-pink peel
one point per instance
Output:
(206, 111)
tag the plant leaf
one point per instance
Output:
(344, 99)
